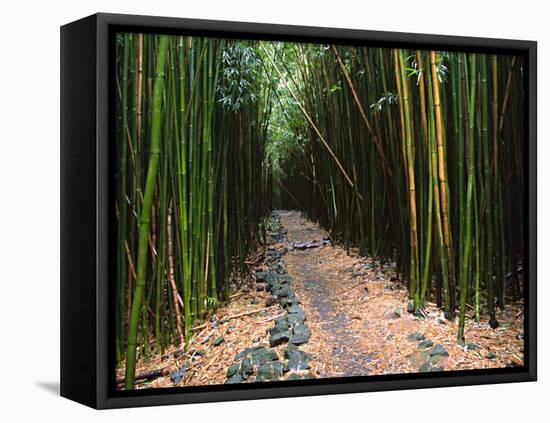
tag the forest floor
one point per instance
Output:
(357, 324)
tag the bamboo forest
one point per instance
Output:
(288, 211)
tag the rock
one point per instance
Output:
(297, 310)
(312, 244)
(299, 246)
(471, 346)
(218, 341)
(233, 370)
(426, 343)
(234, 379)
(269, 372)
(493, 323)
(301, 334)
(294, 376)
(425, 367)
(263, 355)
(418, 358)
(260, 287)
(290, 348)
(245, 352)
(416, 336)
(281, 270)
(271, 300)
(392, 313)
(196, 353)
(438, 350)
(246, 368)
(294, 319)
(282, 322)
(271, 278)
(298, 360)
(278, 338)
(288, 301)
(283, 292)
(274, 288)
(177, 375)
(410, 306)
(491, 355)
(261, 277)
(358, 274)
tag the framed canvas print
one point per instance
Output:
(254, 211)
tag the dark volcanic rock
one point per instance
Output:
(177, 375)
(288, 301)
(261, 276)
(298, 360)
(271, 300)
(425, 367)
(245, 352)
(218, 341)
(283, 291)
(392, 313)
(260, 286)
(297, 310)
(246, 368)
(233, 370)
(295, 319)
(416, 336)
(438, 350)
(301, 334)
(269, 372)
(294, 376)
(263, 355)
(426, 343)
(234, 379)
(491, 355)
(278, 338)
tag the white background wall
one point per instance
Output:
(29, 208)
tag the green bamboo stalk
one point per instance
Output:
(146, 212)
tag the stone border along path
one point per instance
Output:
(261, 364)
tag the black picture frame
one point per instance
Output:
(87, 367)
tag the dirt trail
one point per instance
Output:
(356, 310)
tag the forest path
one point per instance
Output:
(354, 307)
(334, 289)
(337, 347)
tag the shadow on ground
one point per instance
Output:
(50, 387)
